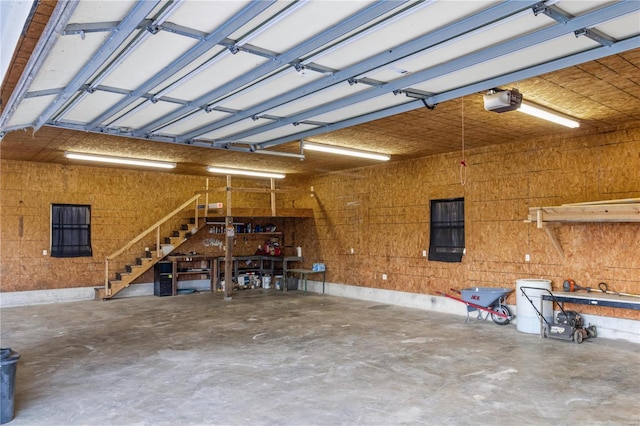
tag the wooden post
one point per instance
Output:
(158, 248)
(228, 257)
(206, 201)
(196, 215)
(106, 277)
(273, 197)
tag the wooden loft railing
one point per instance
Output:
(109, 291)
(270, 211)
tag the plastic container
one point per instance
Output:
(278, 282)
(527, 320)
(266, 282)
(292, 283)
(8, 363)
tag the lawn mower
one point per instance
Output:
(567, 325)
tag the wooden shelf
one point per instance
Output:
(187, 266)
(602, 211)
(609, 211)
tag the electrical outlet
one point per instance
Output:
(384, 277)
(527, 258)
(351, 250)
(44, 252)
(424, 253)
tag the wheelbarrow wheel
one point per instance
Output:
(500, 320)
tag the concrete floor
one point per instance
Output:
(290, 359)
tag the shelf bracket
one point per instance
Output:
(551, 232)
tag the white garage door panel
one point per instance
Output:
(29, 111)
(152, 57)
(322, 97)
(91, 106)
(217, 75)
(361, 108)
(194, 121)
(69, 56)
(272, 87)
(279, 133)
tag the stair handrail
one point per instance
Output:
(155, 226)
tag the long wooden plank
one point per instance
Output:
(152, 227)
(593, 203)
(261, 212)
(258, 190)
(587, 213)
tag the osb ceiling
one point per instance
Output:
(602, 93)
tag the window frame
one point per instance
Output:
(446, 234)
(70, 238)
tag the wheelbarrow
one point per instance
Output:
(485, 299)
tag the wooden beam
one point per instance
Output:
(551, 232)
(258, 190)
(228, 256)
(261, 212)
(273, 197)
(593, 203)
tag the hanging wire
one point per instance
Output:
(463, 162)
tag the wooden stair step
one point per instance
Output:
(100, 293)
(121, 276)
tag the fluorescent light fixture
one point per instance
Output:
(253, 173)
(119, 160)
(548, 114)
(345, 151)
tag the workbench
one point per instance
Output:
(260, 264)
(303, 275)
(594, 298)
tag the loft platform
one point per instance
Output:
(256, 212)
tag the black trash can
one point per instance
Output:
(8, 364)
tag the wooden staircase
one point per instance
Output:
(139, 265)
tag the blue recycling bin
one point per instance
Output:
(8, 364)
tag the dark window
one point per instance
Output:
(70, 230)
(446, 242)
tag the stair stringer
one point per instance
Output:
(143, 264)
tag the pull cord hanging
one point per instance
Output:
(463, 162)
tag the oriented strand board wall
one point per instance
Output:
(382, 212)
(123, 202)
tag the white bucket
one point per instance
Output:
(527, 319)
(278, 282)
(266, 282)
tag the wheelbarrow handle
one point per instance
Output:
(455, 291)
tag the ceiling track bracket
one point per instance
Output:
(595, 35)
(552, 12)
(153, 29)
